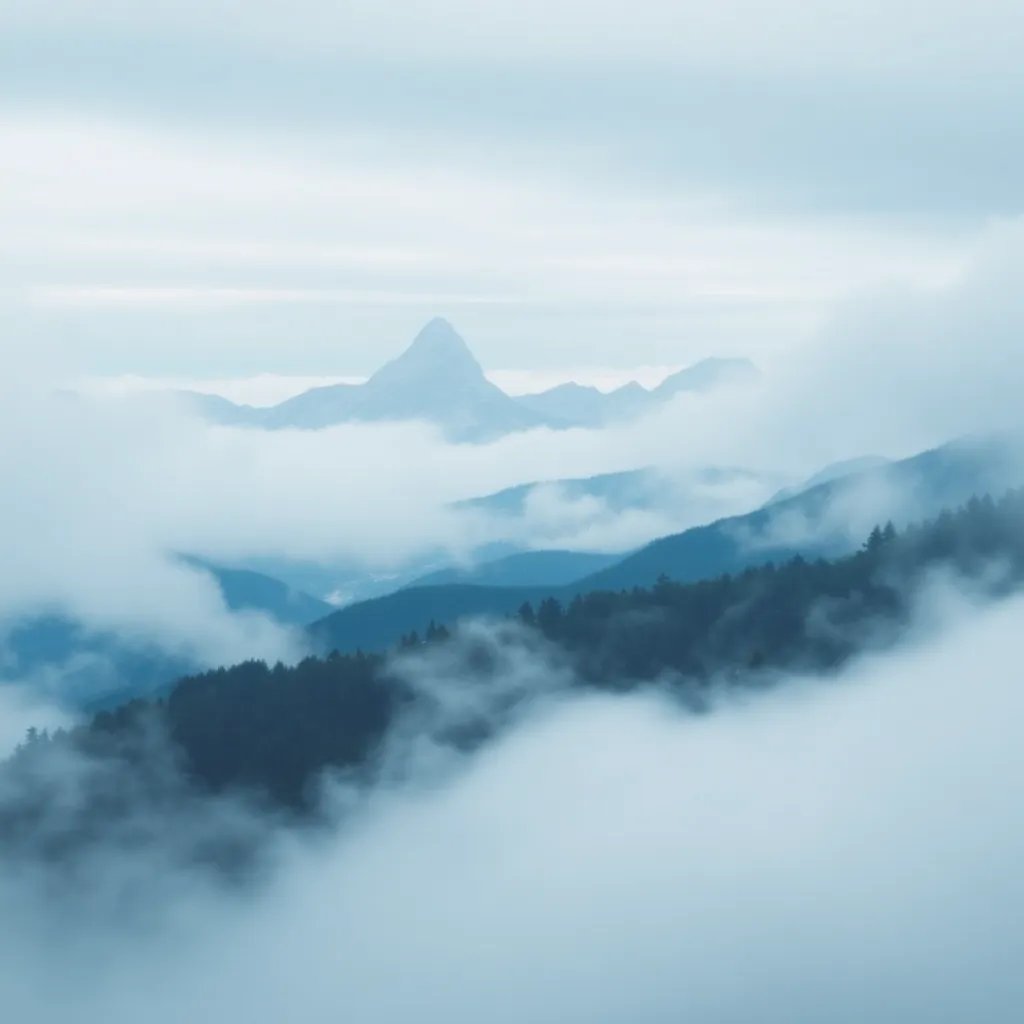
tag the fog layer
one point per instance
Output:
(835, 851)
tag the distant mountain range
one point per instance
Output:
(829, 519)
(244, 590)
(648, 489)
(694, 497)
(339, 582)
(282, 586)
(82, 665)
(438, 380)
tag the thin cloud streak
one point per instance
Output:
(91, 297)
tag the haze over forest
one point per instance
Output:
(511, 512)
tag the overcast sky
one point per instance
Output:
(214, 189)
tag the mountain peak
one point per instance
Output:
(439, 340)
(437, 380)
(438, 351)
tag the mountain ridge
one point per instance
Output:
(814, 523)
(438, 380)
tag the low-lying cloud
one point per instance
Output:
(22, 709)
(102, 494)
(841, 850)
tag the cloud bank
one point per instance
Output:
(834, 851)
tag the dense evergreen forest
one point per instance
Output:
(272, 731)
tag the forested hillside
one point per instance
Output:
(273, 730)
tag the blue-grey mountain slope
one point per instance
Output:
(525, 569)
(379, 624)
(517, 561)
(339, 582)
(647, 489)
(830, 519)
(245, 590)
(835, 471)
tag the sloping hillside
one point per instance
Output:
(527, 569)
(829, 521)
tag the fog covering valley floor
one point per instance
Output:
(791, 795)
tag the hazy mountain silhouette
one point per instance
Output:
(584, 406)
(646, 489)
(835, 471)
(438, 380)
(245, 590)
